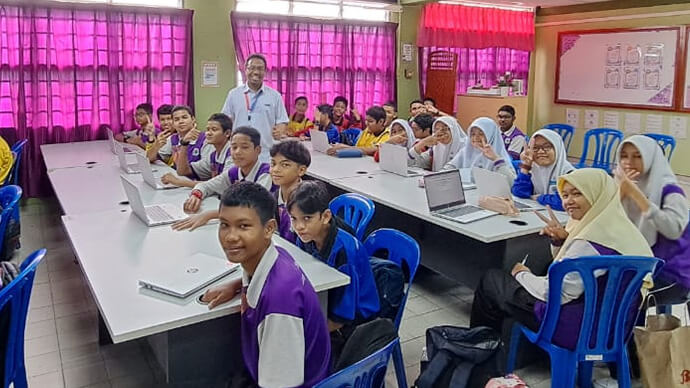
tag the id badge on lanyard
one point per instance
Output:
(250, 109)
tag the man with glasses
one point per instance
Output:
(513, 138)
(257, 105)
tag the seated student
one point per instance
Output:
(323, 117)
(430, 105)
(299, 124)
(433, 152)
(658, 206)
(142, 136)
(421, 125)
(391, 113)
(598, 226)
(289, 162)
(245, 148)
(284, 336)
(402, 135)
(417, 107)
(319, 234)
(513, 138)
(375, 133)
(341, 119)
(484, 150)
(543, 161)
(218, 131)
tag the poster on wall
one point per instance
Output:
(621, 67)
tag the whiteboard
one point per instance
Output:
(633, 68)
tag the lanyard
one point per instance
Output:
(250, 109)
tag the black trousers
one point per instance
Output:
(498, 297)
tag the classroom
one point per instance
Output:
(344, 193)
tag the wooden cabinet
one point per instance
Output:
(471, 107)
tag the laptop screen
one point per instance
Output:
(444, 190)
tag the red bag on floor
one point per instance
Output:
(509, 381)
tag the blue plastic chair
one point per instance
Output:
(404, 251)
(606, 143)
(616, 302)
(355, 209)
(666, 142)
(9, 200)
(14, 300)
(352, 135)
(367, 373)
(17, 149)
(565, 130)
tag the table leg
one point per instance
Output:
(103, 334)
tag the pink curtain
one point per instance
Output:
(70, 70)
(321, 59)
(480, 65)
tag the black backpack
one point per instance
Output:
(390, 284)
(459, 357)
(365, 340)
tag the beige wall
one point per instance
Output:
(542, 108)
(408, 88)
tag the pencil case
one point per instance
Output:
(349, 153)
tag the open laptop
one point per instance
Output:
(183, 276)
(147, 174)
(122, 159)
(152, 215)
(112, 142)
(319, 141)
(495, 184)
(446, 198)
(393, 158)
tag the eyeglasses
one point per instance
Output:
(505, 117)
(543, 148)
(256, 68)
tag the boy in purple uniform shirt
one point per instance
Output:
(285, 342)
(513, 138)
(289, 162)
(143, 116)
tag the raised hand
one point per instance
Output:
(162, 138)
(488, 151)
(553, 227)
(355, 114)
(192, 135)
(527, 156)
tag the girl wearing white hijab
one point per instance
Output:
(543, 161)
(657, 205)
(484, 149)
(446, 141)
(402, 135)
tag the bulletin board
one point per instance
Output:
(633, 68)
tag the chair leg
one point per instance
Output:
(563, 367)
(623, 367)
(584, 374)
(515, 335)
(399, 367)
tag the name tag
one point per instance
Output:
(594, 357)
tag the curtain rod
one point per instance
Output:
(613, 18)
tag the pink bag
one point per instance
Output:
(509, 381)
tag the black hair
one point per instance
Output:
(224, 120)
(310, 197)
(340, 99)
(292, 150)
(416, 102)
(301, 98)
(392, 104)
(377, 113)
(430, 100)
(178, 108)
(250, 132)
(146, 107)
(165, 109)
(424, 121)
(257, 56)
(326, 109)
(507, 108)
(250, 195)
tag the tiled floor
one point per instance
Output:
(61, 336)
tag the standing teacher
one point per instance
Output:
(257, 105)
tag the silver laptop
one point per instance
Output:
(152, 215)
(319, 141)
(122, 159)
(147, 173)
(446, 198)
(112, 142)
(495, 184)
(183, 276)
(393, 158)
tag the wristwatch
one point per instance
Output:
(184, 143)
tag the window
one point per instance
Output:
(147, 3)
(325, 9)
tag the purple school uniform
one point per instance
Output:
(675, 253)
(217, 167)
(508, 139)
(234, 174)
(281, 304)
(193, 150)
(283, 217)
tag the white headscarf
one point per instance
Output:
(443, 153)
(656, 174)
(408, 129)
(544, 179)
(473, 157)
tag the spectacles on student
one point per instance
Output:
(542, 148)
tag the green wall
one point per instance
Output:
(408, 88)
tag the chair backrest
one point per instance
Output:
(565, 130)
(9, 200)
(402, 250)
(355, 209)
(367, 373)
(17, 148)
(14, 302)
(606, 143)
(666, 142)
(623, 282)
(352, 135)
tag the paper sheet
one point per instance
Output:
(679, 127)
(655, 124)
(632, 123)
(572, 117)
(209, 74)
(591, 119)
(611, 119)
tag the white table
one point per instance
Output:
(325, 167)
(79, 154)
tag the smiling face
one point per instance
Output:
(419, 133)
(242, 235)
(543, 152)
(339, 109)
(309, 226)
(284, 171)
(141, 117)
(631, 158)
(183, 122)
(443, 133)
(477, 137)
(574, 202)
(391, 115)
(398, 130)
(301, 106)
(374, 126)
(255, 73)
(166, 122)
(416, 108)
(244, 153)
(215, 134)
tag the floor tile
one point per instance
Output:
(89, 353)
(420, 305)
(129, 348)
(40, 314)
(68, 273)
(68, 309)
(72, 339)
(139, 380)
(127, 365)
(40, 296)
(78, 322)
(42, 364)
(48, 380)
(85, 375)
(40, 329)
(40, 345)
(412, 350)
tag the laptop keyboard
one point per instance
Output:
(462, 211)
(157, 214)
